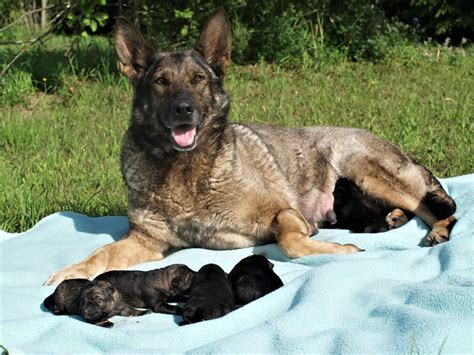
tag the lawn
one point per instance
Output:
(63, 117)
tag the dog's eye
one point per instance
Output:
(198, 78)
(97, 298)
(176, 282)
(161, 81)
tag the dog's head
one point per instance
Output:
(178, 95)
(179, 278)
(99, 300)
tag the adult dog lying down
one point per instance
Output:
(196, 180)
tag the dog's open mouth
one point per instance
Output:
(184, 136)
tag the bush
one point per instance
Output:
(289, 33)
(439, 19)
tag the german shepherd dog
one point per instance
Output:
(196, 180)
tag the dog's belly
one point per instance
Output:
(315, 206)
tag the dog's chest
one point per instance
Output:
(233, 196)
(206, 209)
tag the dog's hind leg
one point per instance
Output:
(133, 248)
(293, 237)
(412, 188)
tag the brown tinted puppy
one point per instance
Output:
(95, 301)
(151, 289)
(210, 297)
(99, 301)
(253, 277)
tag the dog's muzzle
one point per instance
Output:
(91, 312)
(184, 129)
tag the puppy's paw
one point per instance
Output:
(105, 324)
(70, 272)
(331, 217)
(396, 218)
(437, 236)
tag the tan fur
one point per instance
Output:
(396, 218)
(440, 232)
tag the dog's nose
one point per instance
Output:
(183, 108)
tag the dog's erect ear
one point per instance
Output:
(215, 42)
(133, 51)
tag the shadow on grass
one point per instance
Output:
(84, 58)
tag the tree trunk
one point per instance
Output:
(33, 15)
(44, 14)
(27, 19)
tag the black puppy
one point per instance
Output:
(210, 297)
(65, 298)
(362, 213)
(95, 301)
(253, 277)
(152, 289)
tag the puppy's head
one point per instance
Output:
(252, 261)
(178, 94)
(99, 300)
(65, 295)
(179, 279)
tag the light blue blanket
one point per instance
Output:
(396, 297)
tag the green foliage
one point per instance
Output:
(4, 350)
(86, 16)
(190, 24)
(283, 32)
(9, 7)
(442, 17)
(286, 32)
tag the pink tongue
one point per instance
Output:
(184, 137)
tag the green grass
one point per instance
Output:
(63, 115)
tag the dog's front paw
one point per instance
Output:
(350, 248)
(437, 236)
(70, 272)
